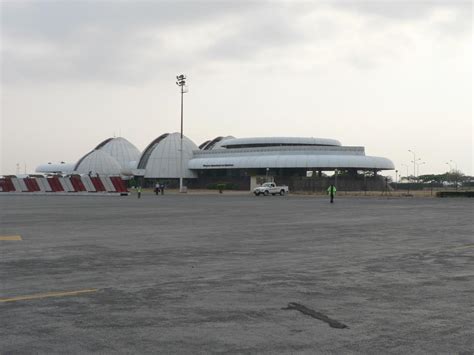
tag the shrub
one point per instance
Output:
(455, 194)
(222, 186)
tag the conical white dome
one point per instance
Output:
(121, 149)
(98, 162)
(161, 158)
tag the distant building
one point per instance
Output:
(225, 159)
(281, 158)
(112, 157)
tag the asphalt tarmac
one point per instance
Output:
(236, 274)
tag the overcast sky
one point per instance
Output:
(387, 75)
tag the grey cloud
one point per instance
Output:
(57, 20)
(256, 35)
(105, 41)
(402, 10)
(97, 40)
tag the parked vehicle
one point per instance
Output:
(270, 188)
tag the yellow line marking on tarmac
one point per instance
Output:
(47, 294)
(10, 237)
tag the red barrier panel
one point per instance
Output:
(118, 184)
(77, 183)
(55, 184)
(7, 185)
(35, 184)
(99, 186)
(31, 184)
(28, 185)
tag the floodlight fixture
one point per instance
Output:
(181, 82)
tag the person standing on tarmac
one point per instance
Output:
(139, 191)
(332, 192)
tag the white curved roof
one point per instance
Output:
(228, 143)
(161, 158)
(98, 162)
(218, 145)
(63, 168)
(293, 161)
(122, 150)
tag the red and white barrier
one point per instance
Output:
(98, 185)
(66, 184)
(109, 187)
(43, 184)
(56, 184)
(86, 180)
(6, 184)
(16, 184)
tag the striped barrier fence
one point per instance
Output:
(98, 185)
(43, 184)
(77, 184)
(86, 180)
(82, 184)
(55, 184)
(109, 187)
(6, 184)
(16, 184)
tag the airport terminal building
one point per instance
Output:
(284, 159)
(239, 162)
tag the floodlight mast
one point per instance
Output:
(414, 161)
(455, 164)
(406, 166)
(181, 82)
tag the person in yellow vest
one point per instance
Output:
(332, 192)
(139, 191)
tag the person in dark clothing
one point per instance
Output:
(332, 192)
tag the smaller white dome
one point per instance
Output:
(121, 150)
(98, 162)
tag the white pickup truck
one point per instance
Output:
(270, 188)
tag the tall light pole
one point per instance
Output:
(414, 162)
(406, 165)
(455, 172)
(181, 82)
(408, 180)
(455, 164)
